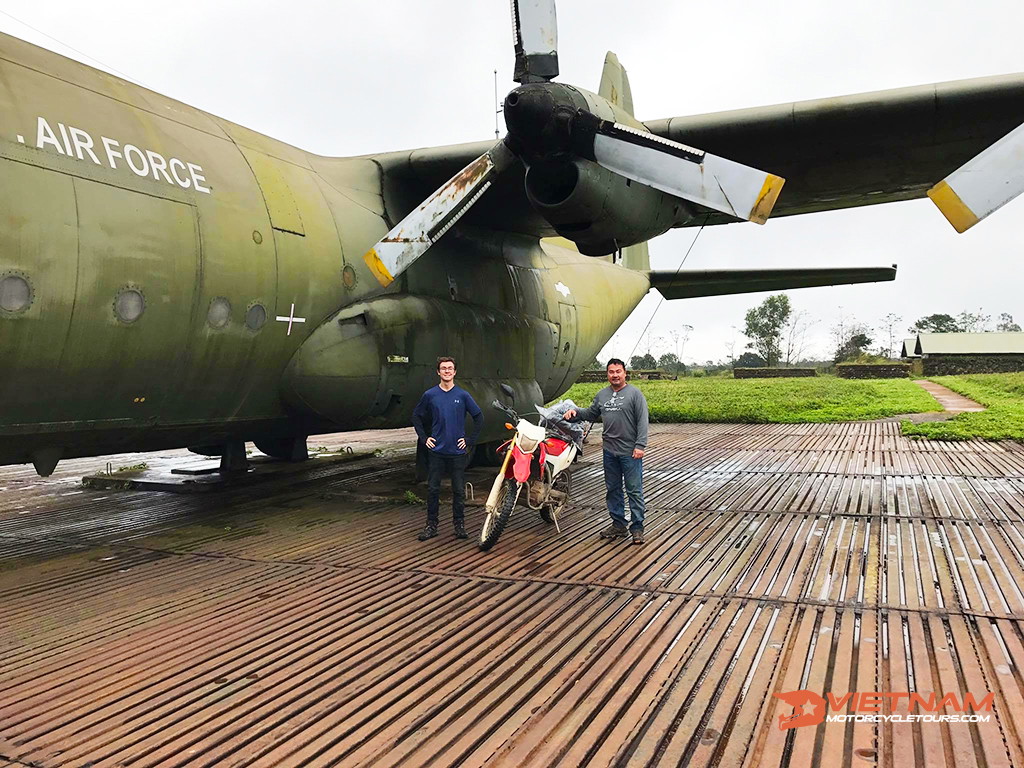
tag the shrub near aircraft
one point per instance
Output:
(169, 278)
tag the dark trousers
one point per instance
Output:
(619, 471)
(456, 467)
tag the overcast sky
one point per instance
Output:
(347, 78)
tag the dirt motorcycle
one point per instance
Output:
(536, 460)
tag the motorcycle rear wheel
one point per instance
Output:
(497, 519)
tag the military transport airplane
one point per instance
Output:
(169, 278)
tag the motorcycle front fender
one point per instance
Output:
(521, 464)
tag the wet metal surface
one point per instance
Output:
(302, 624)
(948, 399)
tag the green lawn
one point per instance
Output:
(1002, 393)
(818, 399)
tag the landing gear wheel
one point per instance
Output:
(486, 455)
(497, 519)
(287, 448)
(550, 513)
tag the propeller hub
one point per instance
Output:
(538, 116)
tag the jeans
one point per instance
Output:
(616, 470)
(456, 467)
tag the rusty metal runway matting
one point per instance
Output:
(308, 627)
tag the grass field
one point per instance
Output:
(1002, 393)
(818, 399)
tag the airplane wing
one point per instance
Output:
(834, 153)
(863, 149)
(410, 176)
(717, 282)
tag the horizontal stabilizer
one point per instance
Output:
(718, 282)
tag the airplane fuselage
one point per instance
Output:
(169, 278)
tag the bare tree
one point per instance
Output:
(971, 322)
(730, 346)
(1006, 324)
(796, 336)
(888, 326)
(846, 329)
(839, 334)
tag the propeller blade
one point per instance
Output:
(984, 184)
(424, 226)
(679, 170)
(535, 34)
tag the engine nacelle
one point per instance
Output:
(599, 210)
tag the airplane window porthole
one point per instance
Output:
(129, 305)
(219, 314)
(15, 293)
(255, 317)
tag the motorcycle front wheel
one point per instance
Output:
(497, 519)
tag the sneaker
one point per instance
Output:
(638, 535)
(460, 531)
(614, 531)
(428, 533)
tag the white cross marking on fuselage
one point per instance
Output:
(291, 319)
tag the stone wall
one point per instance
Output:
(954, 365)
(595, 376)
(772, 373)
(879, 371)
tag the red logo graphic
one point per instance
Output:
(808, 709)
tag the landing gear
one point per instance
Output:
(233, 460)
(287, 448)
(486, 455)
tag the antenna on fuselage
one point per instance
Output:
(497, 103)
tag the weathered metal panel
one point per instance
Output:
(39, 245)
(136, 243)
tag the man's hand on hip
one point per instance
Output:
(462, 443)
(431, 443)
(638, 453)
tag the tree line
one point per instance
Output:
(779, 335)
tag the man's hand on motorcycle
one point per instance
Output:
(431, 442)
(638, 453)
(570, 414)
(462, 443)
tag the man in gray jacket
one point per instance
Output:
(623, 410)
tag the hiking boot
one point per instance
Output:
(638, 535)
(428, 533)
(614, 531)
(460, 531)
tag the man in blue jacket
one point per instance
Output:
(445, 407)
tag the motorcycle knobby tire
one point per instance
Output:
(496, 521)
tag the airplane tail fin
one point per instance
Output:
(615, 83)
(615, 87)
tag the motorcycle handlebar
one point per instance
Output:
(504, 409)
